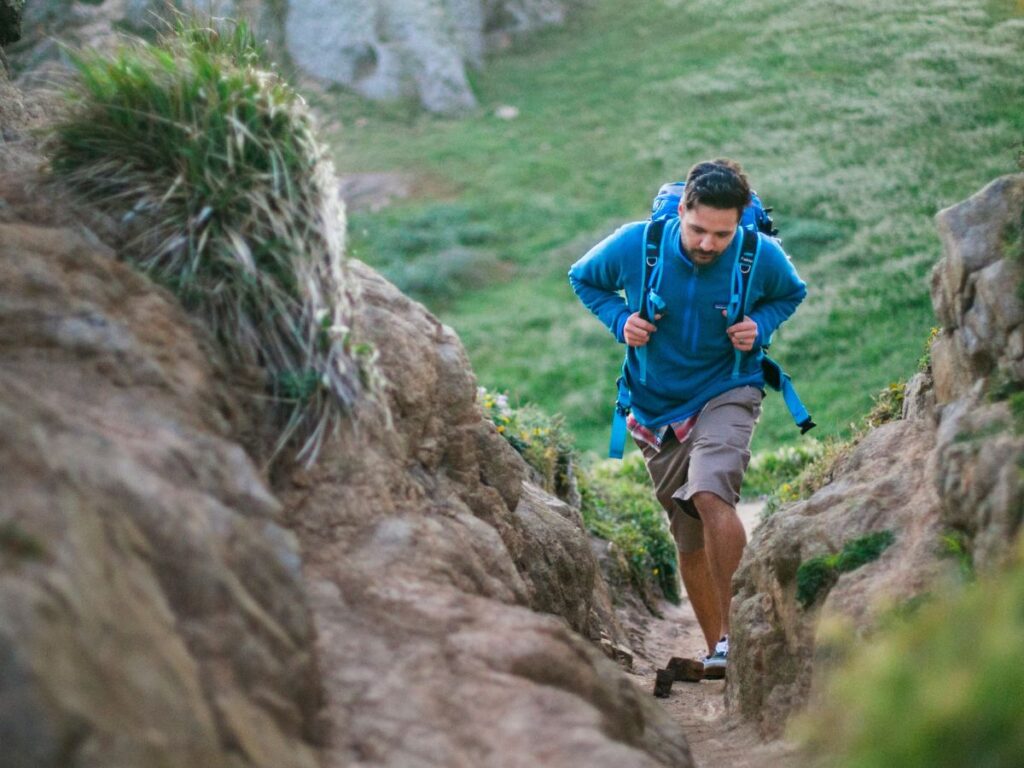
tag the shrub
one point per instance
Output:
(618, 504)
(942, 689)
(433, 254)
(226, 197)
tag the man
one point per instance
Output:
(695, 405)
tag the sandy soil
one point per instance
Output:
(716, 739)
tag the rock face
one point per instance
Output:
(413, 600)
(885, 484)
(425, 550)
(152, 609)
(950, 467)
(978, 361)
(384, 49)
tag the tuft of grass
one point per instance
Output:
(950, 676)
(541, 440)
(212, 166)
(769, 470)
(955, 545)
(816, 576)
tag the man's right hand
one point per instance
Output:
(637, 331)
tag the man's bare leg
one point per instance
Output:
(693, 567)
(724, 540)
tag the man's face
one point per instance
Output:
(706, 232)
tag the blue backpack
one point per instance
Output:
(755, 220)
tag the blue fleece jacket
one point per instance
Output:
(690, 358)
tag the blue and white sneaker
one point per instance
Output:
(715, 664)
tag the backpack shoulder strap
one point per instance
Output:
(653, 233)
(650, 303)
(746, 262)
(743, 270)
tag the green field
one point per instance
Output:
(856, 121)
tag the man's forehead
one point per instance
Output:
(708, 217)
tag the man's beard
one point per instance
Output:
(706, 256)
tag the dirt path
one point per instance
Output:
(717, 741)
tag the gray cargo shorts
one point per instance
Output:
(712, 458)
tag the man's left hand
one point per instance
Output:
(743, 334)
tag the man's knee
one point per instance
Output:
(708, 501)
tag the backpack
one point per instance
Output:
(755, 219)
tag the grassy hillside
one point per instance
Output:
(856, 121)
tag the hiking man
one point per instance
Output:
(694, 378)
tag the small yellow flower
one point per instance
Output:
(501, 429)
(655, 571)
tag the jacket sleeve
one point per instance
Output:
(781, 293)
(604, 271)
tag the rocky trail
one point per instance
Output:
(716, 739)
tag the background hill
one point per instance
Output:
(857, 122)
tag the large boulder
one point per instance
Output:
(945, 480)
(407, 48)
(885, 484)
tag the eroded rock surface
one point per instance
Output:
(425, 548)
(886, 484)
(950, 468)
(152, 609)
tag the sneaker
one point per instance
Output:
(715, 664)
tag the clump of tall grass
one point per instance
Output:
(211, 164)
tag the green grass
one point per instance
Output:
(856, 121)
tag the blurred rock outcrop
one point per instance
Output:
(949, 474)
(384, 49)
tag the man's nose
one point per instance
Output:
(707, 243)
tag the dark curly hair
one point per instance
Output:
(719, 183)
